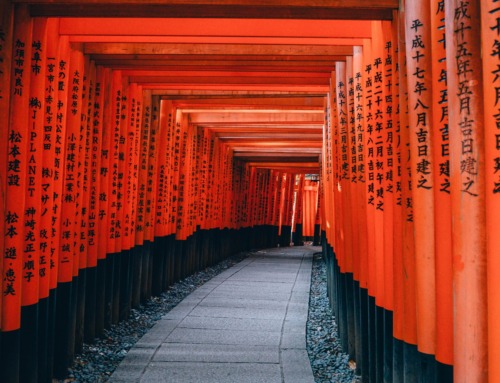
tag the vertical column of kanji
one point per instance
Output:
(127, 137)
(378, 155)
(71, 201)
(398, 289)
(150, 203)
(51, 185)
(135, 118)
(104, 277)
(136, 260)
(129, 174)
(352, 181)
(94, 122)
(358, 143)
(183, 196)
(118, 188)
(345, 104)
(115, 198)
(419, 61)
(178, 192)
(442, 200)
(32, 210)
(490, 18)
(327, 172)
(341, 89)
(64, 236)
(17, 183)
(6, 29)
(388, 167)
(142, 185)
(334, 129)
(127, 133)
(370, 161)
(202, 203)
(186, 224)
(161, 205)
(81, 221)
(369, 145)
(362, 228)
(175, 146)
(410, 315)
(467, 171)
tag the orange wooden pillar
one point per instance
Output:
(6, 30)
(16, 187)
(51, 184)
(418, 52)
(408, 232)
(467, 172)
(150, 203)
(490, 14)
(81, 219)
(377, 157)
(368, 143)
(162, 223)
(68, 259)
(398, 279)
(95, 277)
(142, 187)
(104, 278)
(442, 201)
(352, 180)
(388, 135)
(113, 243)
(341, 89)
(33, 208)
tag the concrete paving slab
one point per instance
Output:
(253, 338)
(294, 368)
(245, 325)
(249, 324)
(175, 372)
(180, 352)
(236, 312)
(243, 303)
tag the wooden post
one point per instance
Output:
(418, 52)
(490, 13)
(442, 200)
(467, 172)
(17, 183)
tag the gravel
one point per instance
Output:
(329, 364)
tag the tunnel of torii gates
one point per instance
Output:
(141, 142)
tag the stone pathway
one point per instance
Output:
(248, 324)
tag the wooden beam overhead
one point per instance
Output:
(214, 49)
(215, 28)
(217, 59)
(110, 8)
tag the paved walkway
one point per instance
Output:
(247, 324)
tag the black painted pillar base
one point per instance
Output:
(398, 361)
(63, 356)
(29, 344)
(100, 296)
(10, 356)
(89, 323)
(43, 340)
